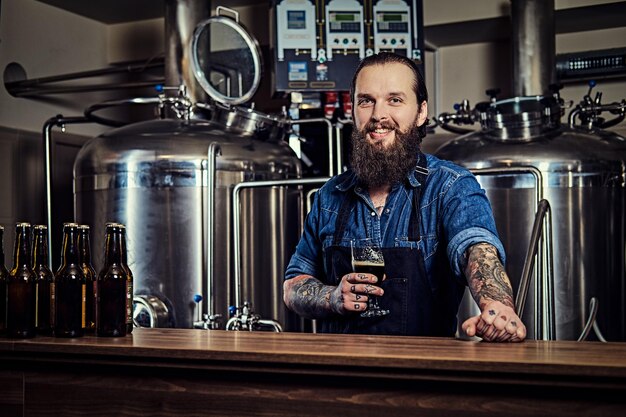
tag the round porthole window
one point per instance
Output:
(226, 59)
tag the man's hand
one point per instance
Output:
(353, 292)
(496, 323)
(312, 299)
(491, 288)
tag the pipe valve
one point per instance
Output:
(589, 111)
(246, 319)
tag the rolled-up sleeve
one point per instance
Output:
(467, 220)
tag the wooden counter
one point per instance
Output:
(174, 372)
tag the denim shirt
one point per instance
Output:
(455, 213)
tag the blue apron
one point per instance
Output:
(417, 306)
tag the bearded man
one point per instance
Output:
(430, 218)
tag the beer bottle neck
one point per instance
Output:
(84, 247)
(113, 248)
(21, 253)
(40, 248)
(70, 247)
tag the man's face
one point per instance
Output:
(385, 103)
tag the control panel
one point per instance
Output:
(392, 27)
(297, 22)
(317, 44)
(344, 28)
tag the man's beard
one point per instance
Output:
(376, 165)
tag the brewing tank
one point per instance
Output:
(527, 154)
(152, 176)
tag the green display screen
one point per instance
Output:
(344, 17)
(392, 17)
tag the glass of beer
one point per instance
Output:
(367, 257)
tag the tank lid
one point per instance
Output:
(521, 118)
(226, 59)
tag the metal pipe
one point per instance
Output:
(35, 92)
(549, 324)
(237, 219)
(571, 118)
(529, 262)
(591, 111)
(59, 121)
(213, 151)
(309, 198)
(339, 139)
(533, 47)
(545, 284)
(593, 307)
(15, 87)
(437, 79)
(89, 112)
(444, 119)
(181, 18)
(329, 132)
(249, 323)
(271, 323)
(309, 203)
(519, 170)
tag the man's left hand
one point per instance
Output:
(497, 323)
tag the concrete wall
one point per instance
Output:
(47, 41)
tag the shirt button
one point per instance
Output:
(373, 213)
(358, 189)
(387, 211)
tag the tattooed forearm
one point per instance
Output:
(486, 276)
(310, 298)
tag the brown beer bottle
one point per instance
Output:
(4, 277)
(70, 288)
(112, 286)
(84, 248)
(129, 283)
(44, 281)
(21, 295)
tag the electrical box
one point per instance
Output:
(317, 44)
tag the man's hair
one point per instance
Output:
(419, 85)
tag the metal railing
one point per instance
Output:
(541, 236)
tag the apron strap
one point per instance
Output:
(342, 218)
(421, 172)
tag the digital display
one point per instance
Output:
(343, 17)
(392, 17)
(296, 19)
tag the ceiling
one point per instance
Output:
(597, 16)
(120, 11)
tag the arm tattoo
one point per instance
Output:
(310, 298)
(486, 276)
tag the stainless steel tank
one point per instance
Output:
(152, 176)
(581, 174)
(170, 181)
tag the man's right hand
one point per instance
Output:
(353, 291)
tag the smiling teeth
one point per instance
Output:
(381, 130)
